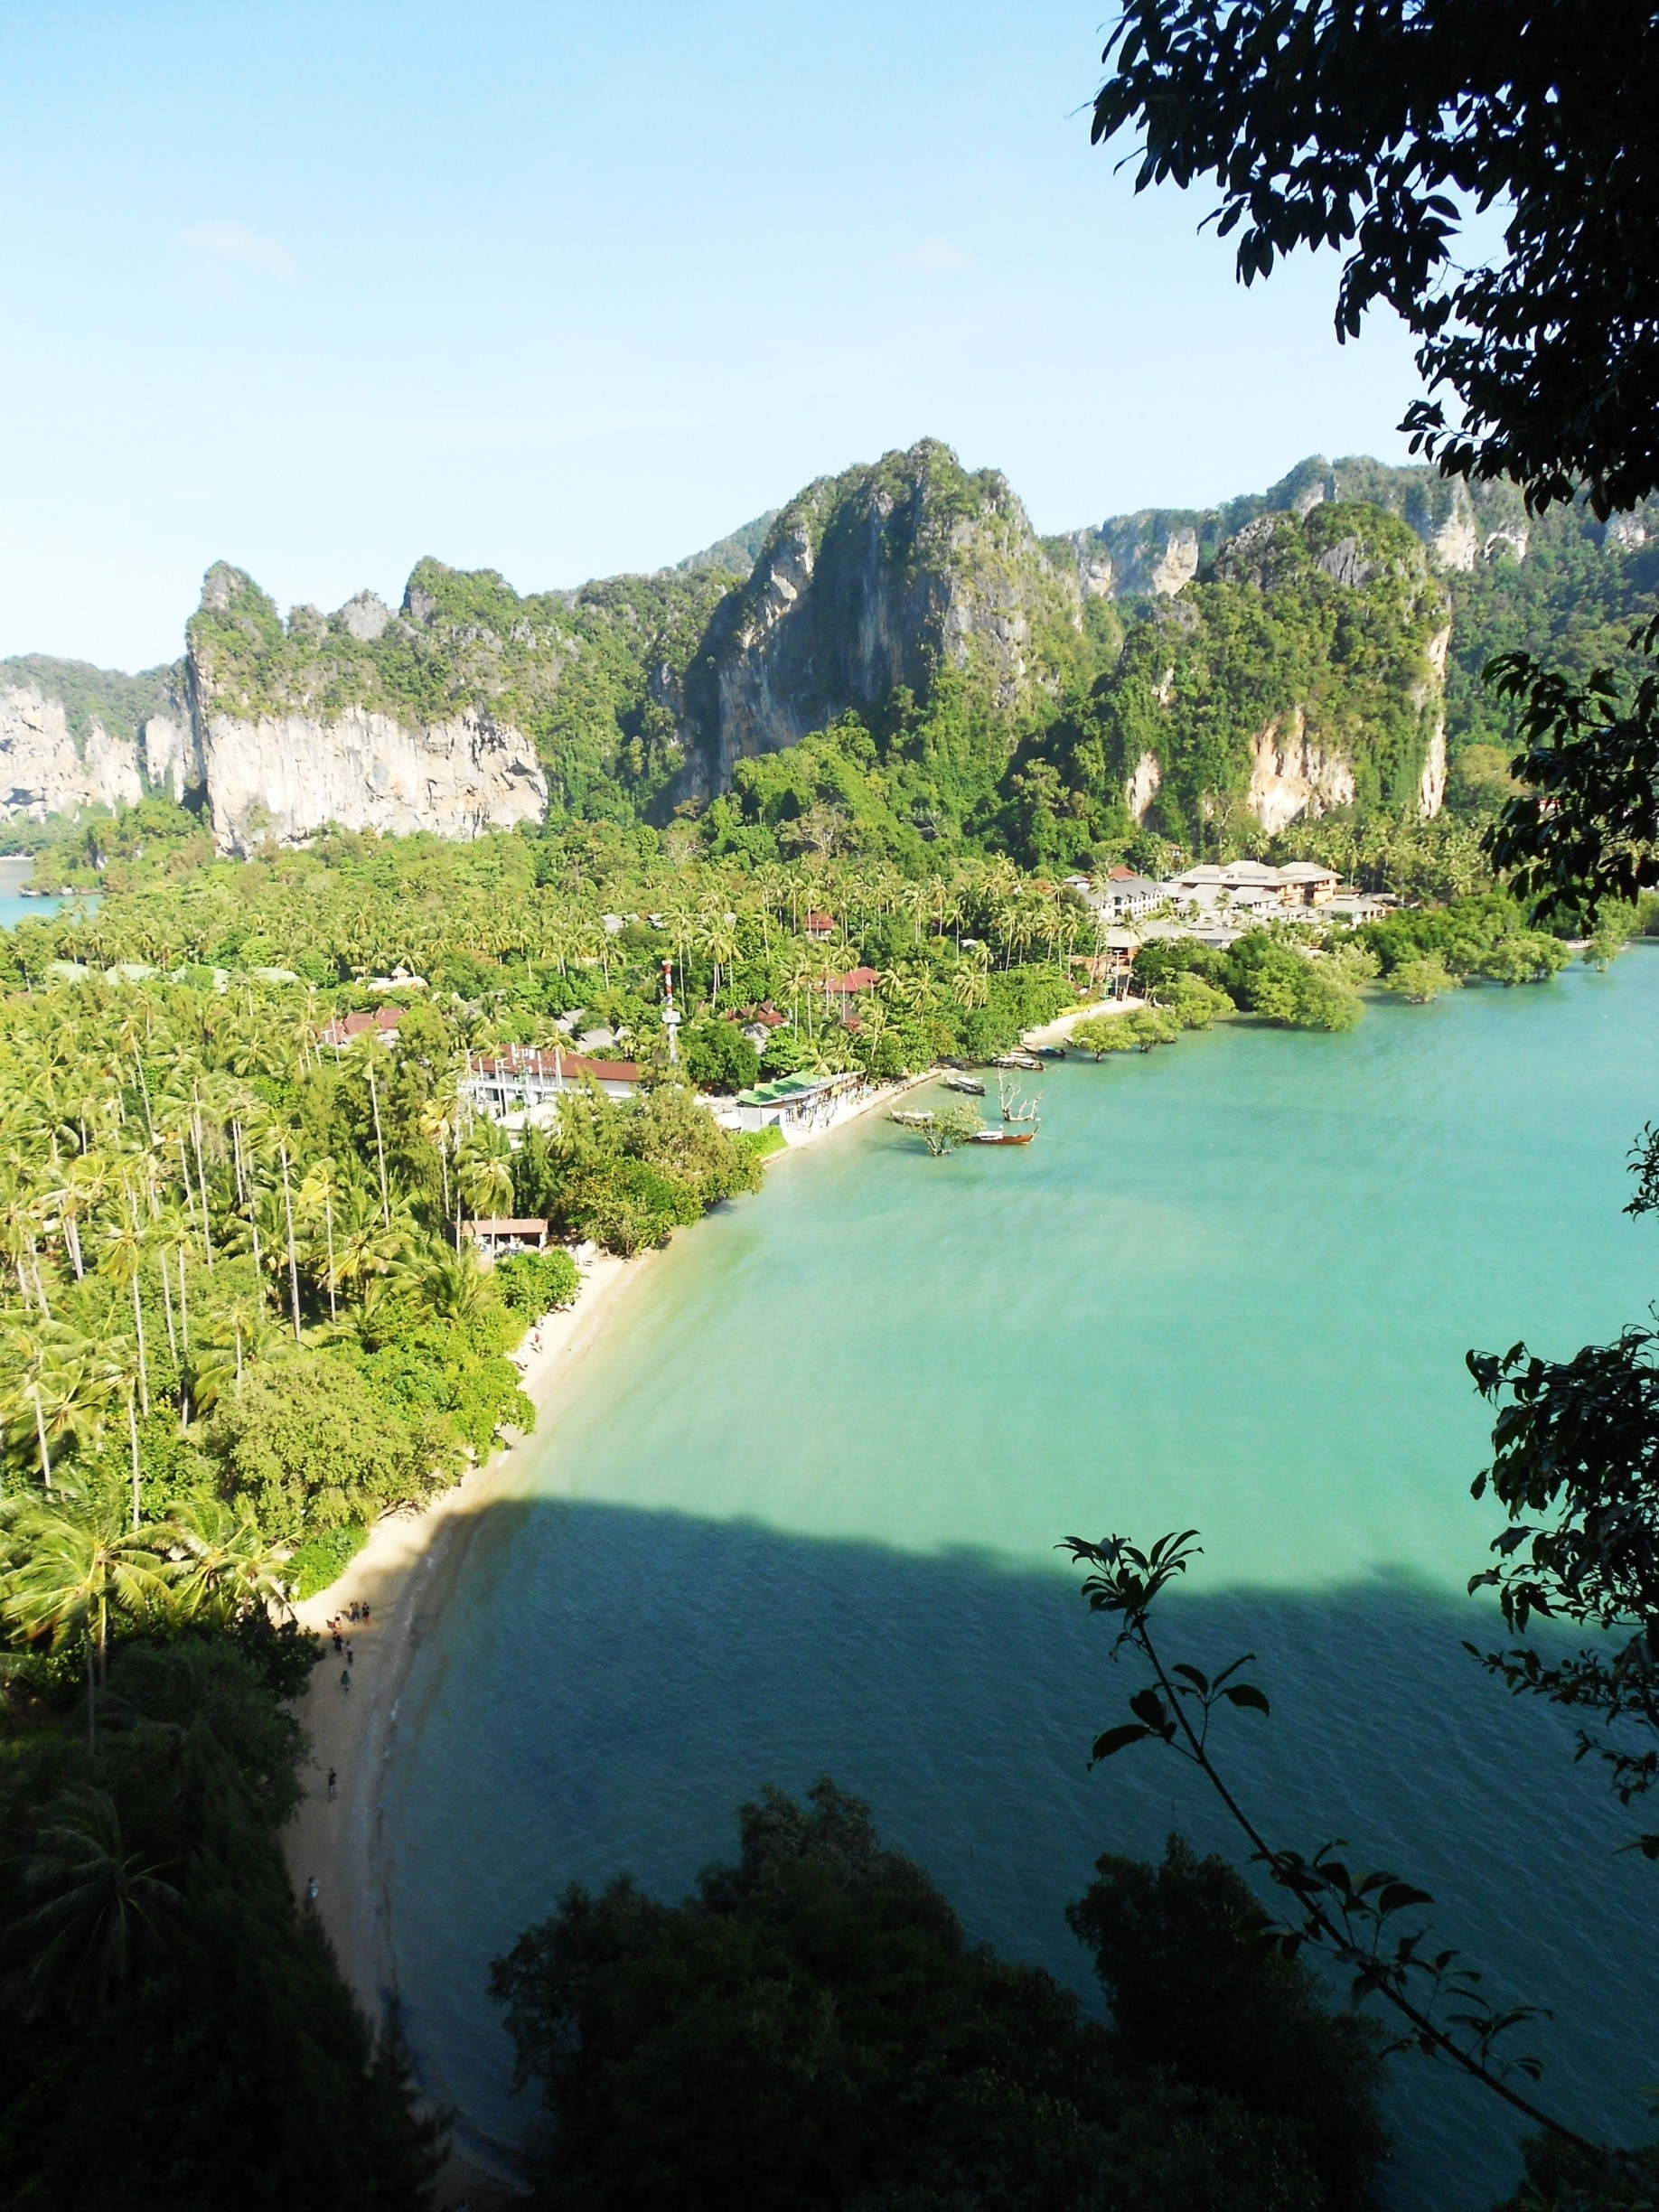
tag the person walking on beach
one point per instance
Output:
(348, 1655)
(345, 1678)
(332, 1779)
(311, 1890)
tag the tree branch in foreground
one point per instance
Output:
(1349, 1917)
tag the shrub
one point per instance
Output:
(534, 1283)
(810, 2029)
(715, 1055)
(324, 1558)
(1191, 1987)
(762, 1143)
(1194, 1002)
(1422, 980)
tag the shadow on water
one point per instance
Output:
(613, 1682)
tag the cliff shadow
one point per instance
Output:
(608, 1684)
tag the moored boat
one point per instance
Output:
(911, 1120)
(1028, 1061)
(1002, 1137)
(969, 1085)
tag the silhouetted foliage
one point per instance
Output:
(812, 2028)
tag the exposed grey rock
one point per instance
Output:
(869, 580)
(1345, 563)
(284, 777)
(43, 772)
(366, 617)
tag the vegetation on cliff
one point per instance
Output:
(1312, 631)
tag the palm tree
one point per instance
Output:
(121, 1258)
(93, 1908)
(485, 1180)
(60, 1389)
(716, 936)
(228, 1567)
(454, 1286)
(79, 1572)
(364, 1247)
(317, 1194)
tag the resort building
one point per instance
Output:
(796, 1104)
(1125, 896)
(345, 1029)
(1304, 883)
(848, 989)
(493, 1237)
(820, 927)
(758, 1023)
(519, 1080)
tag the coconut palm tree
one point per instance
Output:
(485, 1177)
(225, 1565)
(60, 1388)
(94, 1910)
(78, 1574)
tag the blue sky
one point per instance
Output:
(565, 290)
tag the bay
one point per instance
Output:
(801, 1519)
(15, 872)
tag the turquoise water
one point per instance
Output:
(801, 1519)
(14, 871)
(16, 910)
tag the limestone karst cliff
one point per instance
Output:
(73, 736)
(876, 593)
(1300, 670)
(874, 579)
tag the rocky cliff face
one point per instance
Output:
(284, 776)
(1289, 774)
(73, 735)
(1155, 552)
(1303, 671)
(874, 579)
(469, 707)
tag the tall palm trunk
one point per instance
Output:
(328, 1230)
(167, 1292)
(207, 1226)
(287, 1209)
(374, 1100)
(132, 1433)
(143, 1379)
(144, 1089)
(40, 1431)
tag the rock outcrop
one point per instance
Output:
(870, 580)
(282, 777)
(1154, 552)
(43, 771)
(469, 707)
(1290, 775)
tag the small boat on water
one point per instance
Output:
(912, 1121)
(1051, 1052)
(1002, 1136)
(1028, 1060)
(969, 1085)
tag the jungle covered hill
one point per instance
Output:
(1206, 677)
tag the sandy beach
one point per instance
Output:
(404, 1574)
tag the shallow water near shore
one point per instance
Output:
(801, 1520)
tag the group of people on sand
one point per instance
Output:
(355, 1611)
